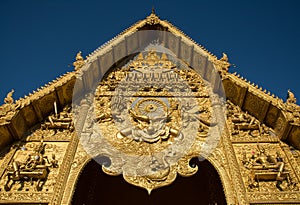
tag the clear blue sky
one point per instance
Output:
(40, 38)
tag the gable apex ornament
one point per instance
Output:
(152, 19)
(153, 10)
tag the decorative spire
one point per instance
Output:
(153, 10)
(79, 61)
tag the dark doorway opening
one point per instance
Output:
(95, 187)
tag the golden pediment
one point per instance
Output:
(150, 119)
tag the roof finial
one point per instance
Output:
(153, 10)
(152, 19)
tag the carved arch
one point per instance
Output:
(202, 176)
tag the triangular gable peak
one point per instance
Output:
(16, 118)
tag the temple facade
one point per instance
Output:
(150, 117)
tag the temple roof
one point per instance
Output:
(17, 117)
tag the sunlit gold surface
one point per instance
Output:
(254, 116)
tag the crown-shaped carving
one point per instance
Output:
(152, 19)
(152, 60)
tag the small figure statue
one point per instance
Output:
(9, 99)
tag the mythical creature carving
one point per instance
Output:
(8, 109)
(151, 126)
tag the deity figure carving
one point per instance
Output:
(34, 168)
(150, 126)
(265, 167)
(245, 124)
(62, 120)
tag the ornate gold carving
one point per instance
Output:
(7, 110)
(138, 116)
(233, 169)
(148, 118)
(264, 168)
(246, 128)
(79, 61)
(291, 98)
(221, 64)
(81, 158)
(293, 110)
(151, 60)
(66, 165)
(152, 19)
(34, 167)
(31, 171)
(58, 127)
(9, 99)
(63, 120)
